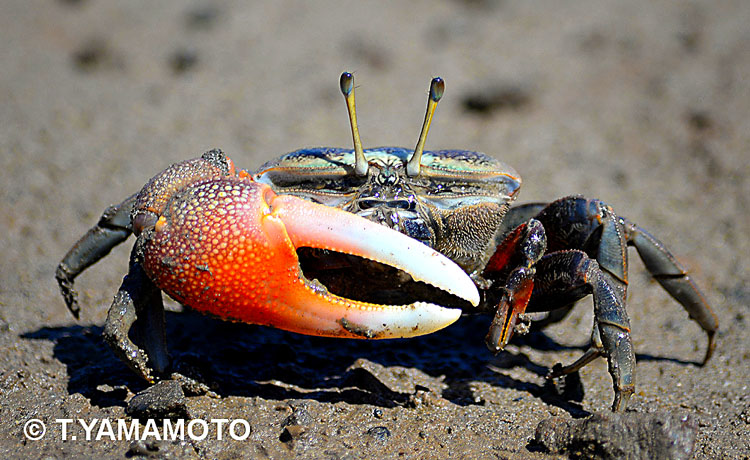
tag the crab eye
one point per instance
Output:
(347, 89)
(437, 87)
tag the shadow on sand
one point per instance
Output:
(252, 361)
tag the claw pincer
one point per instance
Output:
(225, 245)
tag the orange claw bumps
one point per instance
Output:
(228, 246)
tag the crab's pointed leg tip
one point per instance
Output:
(710, 349)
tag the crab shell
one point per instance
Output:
(226, 244)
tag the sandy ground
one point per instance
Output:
(642, 104)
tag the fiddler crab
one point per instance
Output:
(371, 244)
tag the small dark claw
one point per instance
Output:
(522, 248)
(512, 304)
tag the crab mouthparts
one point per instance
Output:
(356, 278)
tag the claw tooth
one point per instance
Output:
(427, 265)
(408, 321)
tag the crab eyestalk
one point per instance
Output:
(347, 89)
(437, 88)
(229, 248)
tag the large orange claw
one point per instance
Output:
(228, 247)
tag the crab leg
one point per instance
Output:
(112, 229)
(609, 248)
(228, 247)
(566, 275)
(138, 303)
(577, 229)
(665, 269)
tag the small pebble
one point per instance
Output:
(379, 433)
